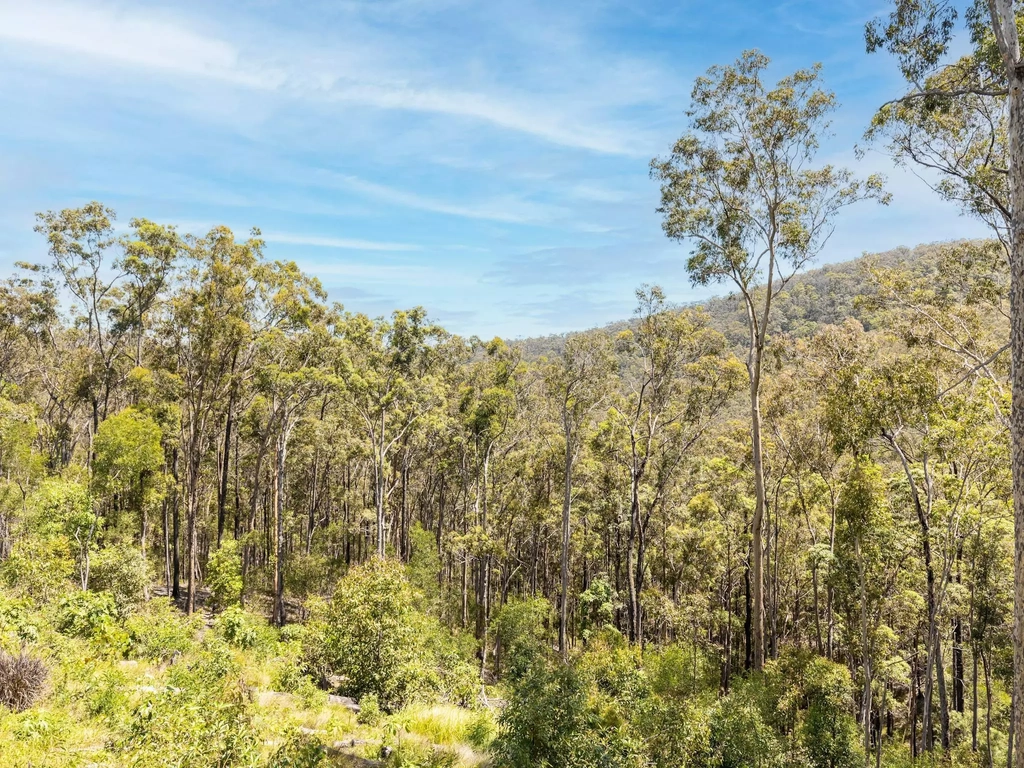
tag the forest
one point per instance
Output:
(241, 525)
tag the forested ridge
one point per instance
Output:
(242, 525)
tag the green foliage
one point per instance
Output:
(549, 721)
(89, 615)
(121, 571)
(300, 750)
(373, 637)
(369, 709)
(829, 732)
(202, 718)
(18, 622)
(244, 630)
(523, 629)
(224, 575)
(740, 737)
(597, 606)
(128, 454)
(159, 632)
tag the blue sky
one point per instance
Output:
(485, 159)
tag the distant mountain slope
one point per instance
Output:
(822, 296)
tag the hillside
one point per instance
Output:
(821, 296)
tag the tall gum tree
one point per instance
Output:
(578, 382)
(963, 118)
(740, 187)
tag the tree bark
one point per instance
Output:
(563, 608)
(757, 523)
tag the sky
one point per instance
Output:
(485, 159)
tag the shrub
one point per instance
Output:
(201, 717)
(550, 721)
(91, 615)
(122, 572)
(369, 710)
(829, 732)
(287, 677)
(22, 681)
(40, 567)
(372, 636)
(597, 606)
(243, 630)
(523, 632)
(224, 575)
(159, 632)
(740, 737)
(300, 750)
(17, 622)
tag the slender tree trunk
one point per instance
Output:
(563, 609)
(192, 527)
(633, 602)
(222, 487)
(378, 498)
(757, 523)
(1016, 101)
(279, 543)
(865, 653)
(940, 678)
(974, 701)
(1003, 19)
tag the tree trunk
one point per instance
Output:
(865, 650)
(757, 523)
(378, 499)
(279, 463)
(563, 608)
(633, 598)
(1016, 102)
(222, 487)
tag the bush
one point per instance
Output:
(202, 718)
(90, 615)
(40, 567)
(523, 632)
(122, 572)
(373, 637)
(22, 681)
(300, 750)
(369, 710)
(224, 576)
(740, 738)
(550, 720)
(159, 632)
(17, 622)
(243, 630)
(829, 732)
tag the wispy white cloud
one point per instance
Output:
(151, 41)
(508, 210)
(130, 39)
(342, 243)
(393, 275)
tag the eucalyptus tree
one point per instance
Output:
(740, 187)
(578, 382)
(113, 283)
(963, 117)
(210, 316)
(294, 369)
(492, 401)
(388, 370)
(674, 380)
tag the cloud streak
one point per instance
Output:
(168, 45)
(341, 243)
